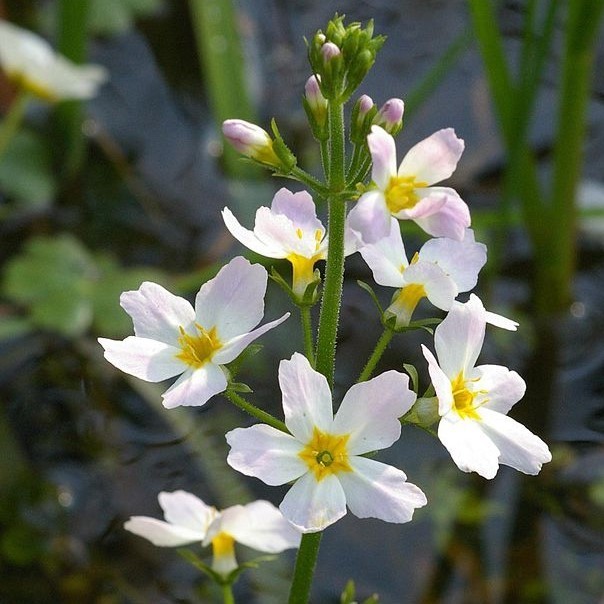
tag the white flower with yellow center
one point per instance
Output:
(442, 269)
(33, 65)
(259, 525)
(407, 193)
(289, 229)
(324, 454)
(473, 401)
(173, 338)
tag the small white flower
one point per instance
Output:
(173, 338)
(442, 269)
(407, 193)
(324, 454)
(259, 525)
(31, 63)
(473, 401)
(288, 229)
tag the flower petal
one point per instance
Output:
(441, 383)
(370, 217)
(160, 533)
(186, 510)
(195, 387)
(233, 301)
(261, 526)
(266, 453)
(434, 158)
(470, 448)
(440, 288)
(299, 208)
(312, 506)
(451, 220)
(461, 260)
(145, 359)
(458, 339)
(249, 238)
(386, 257)
(383, 156)
(377, 490)
(306, 398)
(370, 412)
(519, 447)
(233, 348)
(504, 388)
(156, 313)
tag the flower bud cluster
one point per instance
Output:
(342, 56)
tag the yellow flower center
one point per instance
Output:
(22, 80)
(223, 554)
(303, 266)
(197, 350)
(463, 398)
(326, 454)
(405, 301)
(400, 193)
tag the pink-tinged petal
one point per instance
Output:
(261, 526)
(160, 533)
(461, 260)
(370, 217)
(298, 207)
(500, 321)
(233, 301)
(434, 158)
(306, 398)
(145, 359)
(458, 339)
(266, 453)
(370, 412)
(440, 288)
(519, 447)
(451, 220)
(156, 313)
(470, 448)
(312, 506)
(383, 155)
(377, 490)
(186, 510)
(276, 231)
(233, 348)
(386, 257)
(441, 383)
(195, 387)
(430, 201)
(249, 239)
(504, 388)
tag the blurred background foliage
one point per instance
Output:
(97, 197)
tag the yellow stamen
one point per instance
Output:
(23, 81)
(326, 454)
(400, 193)
(197, 350)
(223, 550)
(405, 301)
(463, 399)
(299, 233)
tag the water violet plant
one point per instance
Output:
(325, 448)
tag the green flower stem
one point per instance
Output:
(227, 594)
(248, 407)
(362, 172)
(309, 180)
(376, 355)
(305, 316)
(12, 120)
(324, 146)
(328, 320)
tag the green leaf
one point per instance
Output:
(26, 170)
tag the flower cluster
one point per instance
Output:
(323, 450)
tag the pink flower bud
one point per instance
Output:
(390, 115)
(247, 138)
(329, 50)
(365, 105)
(313, 94)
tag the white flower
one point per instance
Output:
(324, 454)
(442, 269)
(173, 338)
(473, 401)
(31, 62)
(406, 193)
(259, 525)
(288, 229)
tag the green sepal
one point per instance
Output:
(319, 129)
(349, 595)
(412, 371)
(373, 295)
(249, 351)
(424, 413)
(311, 293)
(282, 151)
(239, 387)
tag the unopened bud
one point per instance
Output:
(315, 105)
(329, 50)
(361, 119)
(250, 140)
(390, 116)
